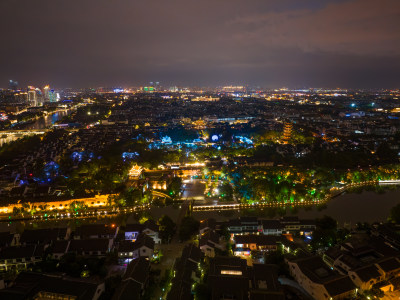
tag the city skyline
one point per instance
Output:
(200, 150)
(345, 44)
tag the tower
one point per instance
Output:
(287, 132)
(46, 93)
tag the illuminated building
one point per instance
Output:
(232, 89)
(32, 97)
(53, 96)
(49, 95)
(135, 172)
(287, 132)
(46, 93)
(205, 98)
(148, 89)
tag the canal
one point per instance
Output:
(349, 208)
(46, 121)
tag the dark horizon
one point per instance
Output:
(346, 43)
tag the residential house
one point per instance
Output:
(389, 232)
(319, 280)
(367, 260)
(29, 285)
(209, 241)
(244, 225)
(229, 278)
(244, 244)
(96, 231)
(20, 257)
(46, 235)
(142, 247)
(264, 283)
(91, 247)
(293, 225)
(388, 267)
(59, 249)
(366, 277)
(272, 227)
(187, 272)
(206, 225)
(134, 281)
(7, 239)
(150, 228)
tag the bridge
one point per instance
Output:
(238, 206)
(394, 181)
(24, 131)
(159, 194)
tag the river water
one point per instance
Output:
(46, 121)
(42, 123)
(347, 209)
(350, 208)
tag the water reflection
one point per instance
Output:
(364, 206)
(46, 121)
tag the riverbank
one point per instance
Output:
(333, 193)
(47, 121)
(346, 208)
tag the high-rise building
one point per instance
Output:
(32, 97)
(287, 132)
(148, 89)
(46, 93)
(53, 96)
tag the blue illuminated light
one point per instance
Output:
(166, 140)
(77, 157)
(244, 140)
(129, 155)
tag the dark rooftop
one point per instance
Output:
(89, 245)
(389, 264)
(339, 286)
(42, 235)
(86, 231)
(28, 285)
(367, 273)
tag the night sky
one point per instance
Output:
(271, 43)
